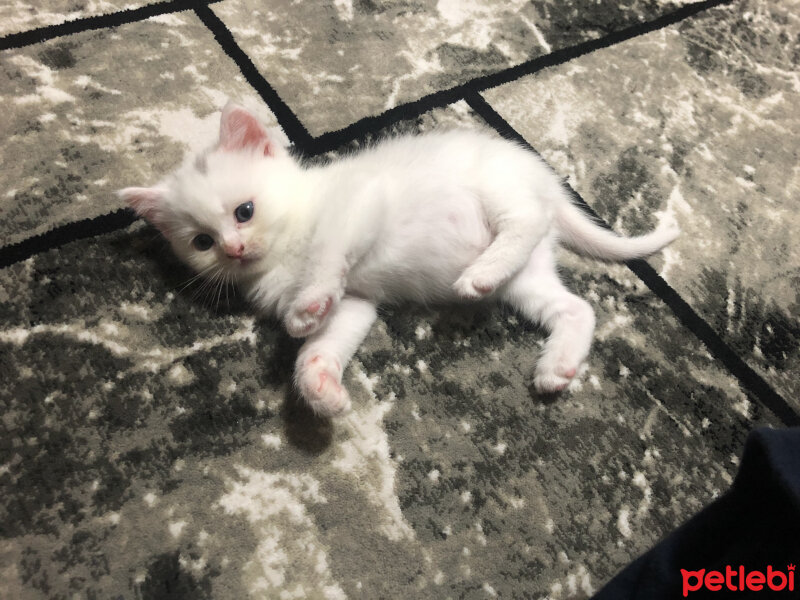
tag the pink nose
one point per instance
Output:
(234, 250)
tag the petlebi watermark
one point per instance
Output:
(738, 580)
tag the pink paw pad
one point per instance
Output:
(320, 310)
(322, 379)
(569, 373)
(483, 288)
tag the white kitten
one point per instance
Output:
(440, 217)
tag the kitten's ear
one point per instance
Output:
(239, 130)
(144, 201)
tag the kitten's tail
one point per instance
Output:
(579, 233)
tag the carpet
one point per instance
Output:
(152, 445)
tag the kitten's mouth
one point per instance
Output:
(245, 261)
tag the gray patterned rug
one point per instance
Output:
(151, 444)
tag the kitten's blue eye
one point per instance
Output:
(203, 241)
(244, 212)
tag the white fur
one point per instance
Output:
(440, 217)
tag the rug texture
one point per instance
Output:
(151, 443)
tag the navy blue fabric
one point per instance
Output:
(755, 524)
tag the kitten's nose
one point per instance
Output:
(234, 250)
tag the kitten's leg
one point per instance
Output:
(325, 287)
(322, 359)
(537, 292)
(517, 234)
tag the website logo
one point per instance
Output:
(738, 580)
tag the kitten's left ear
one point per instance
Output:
(144, 201)
(241, 130)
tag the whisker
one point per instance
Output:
(225, 283)
(188, 283)
(215, 283)
(199, 289)
(218, 289)
(195, 278)
(154, 238)
(228, 281)
(207, 284)
(213, 288)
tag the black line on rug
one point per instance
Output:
(66, 234)
(123, 17)
(286, 118)
(333, 139)
(748, 377)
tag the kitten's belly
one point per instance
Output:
(423, 251)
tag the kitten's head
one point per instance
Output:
(220, 208)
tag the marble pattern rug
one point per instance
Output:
(152, 445)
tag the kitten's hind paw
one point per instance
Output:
(305, 318)
(319, 380)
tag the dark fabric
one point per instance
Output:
(755, 525)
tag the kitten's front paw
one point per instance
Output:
(473, 288)
(319, 380)
(304, 318)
